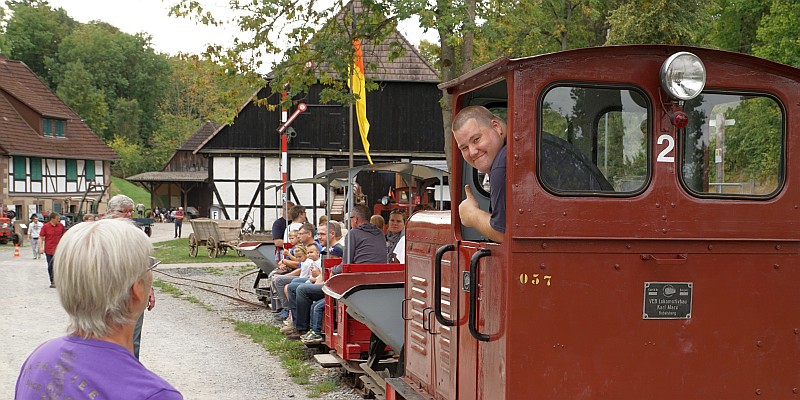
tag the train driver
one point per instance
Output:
(481, 137)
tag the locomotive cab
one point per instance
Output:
(649, 249)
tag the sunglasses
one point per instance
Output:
(153, 263)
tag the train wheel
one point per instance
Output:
(211, 246)
(192, 245)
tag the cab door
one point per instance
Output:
(481, 304)
(431, 306)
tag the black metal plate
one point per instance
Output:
(667, 300)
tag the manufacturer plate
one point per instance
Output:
(667, 300)
(465, 281)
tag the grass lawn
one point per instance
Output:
(177, 252)
(136, 193)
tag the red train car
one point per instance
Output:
(651, 248)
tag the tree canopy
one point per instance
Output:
(136, 98)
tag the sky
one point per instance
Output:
(172, 35)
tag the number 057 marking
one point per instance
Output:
(665, 154)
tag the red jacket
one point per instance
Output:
(51, 235)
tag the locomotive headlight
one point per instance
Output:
(683, 76)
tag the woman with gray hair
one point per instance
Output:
(104, 276)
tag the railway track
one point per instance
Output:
(353, 374)
(181, 281)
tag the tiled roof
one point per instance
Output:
(199, 136)
(410, 67)
(19, 85)
(170, 176)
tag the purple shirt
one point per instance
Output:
(72, 367)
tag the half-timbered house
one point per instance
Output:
(49, 158)
(406, 125)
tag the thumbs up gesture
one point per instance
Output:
(468, 208)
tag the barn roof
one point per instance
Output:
(410, 67)
(22, 93)
(199, 136)
(170, 176)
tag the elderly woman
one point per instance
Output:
(394, 231)
(104, 276)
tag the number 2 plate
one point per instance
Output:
(666, 153)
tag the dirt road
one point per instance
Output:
(192, 348)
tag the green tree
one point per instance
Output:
(658, 21)
(202, 89)
(78, 91)
(122, 66)
(432, 53)
(126, 118)
(318, 39)
(528, 27)
(779, 33)
(735, 23)
(132, 157)
(33, 33)
(173, 130)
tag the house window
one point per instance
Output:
(59, 128)
(47, 127)
(36, 169)
(19, 168)
(90, 170)
(53, 127)
(72, 170)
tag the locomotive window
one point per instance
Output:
(733, 145)
(593, 140)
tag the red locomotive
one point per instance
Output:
(650, 250)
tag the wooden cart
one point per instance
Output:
(217, 236)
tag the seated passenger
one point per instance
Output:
(394, 232)
(378, 221)
(306, 235)
(481, 137)
(364, 244)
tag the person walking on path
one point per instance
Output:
(50, 235)
(179, 221)
(34, 228)
(121, 206)
(104, 277)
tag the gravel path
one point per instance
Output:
(195, 349)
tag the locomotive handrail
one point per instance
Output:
(473, 294)
(430, 323)
(437, 285)
(403, 310)
(424, 318)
